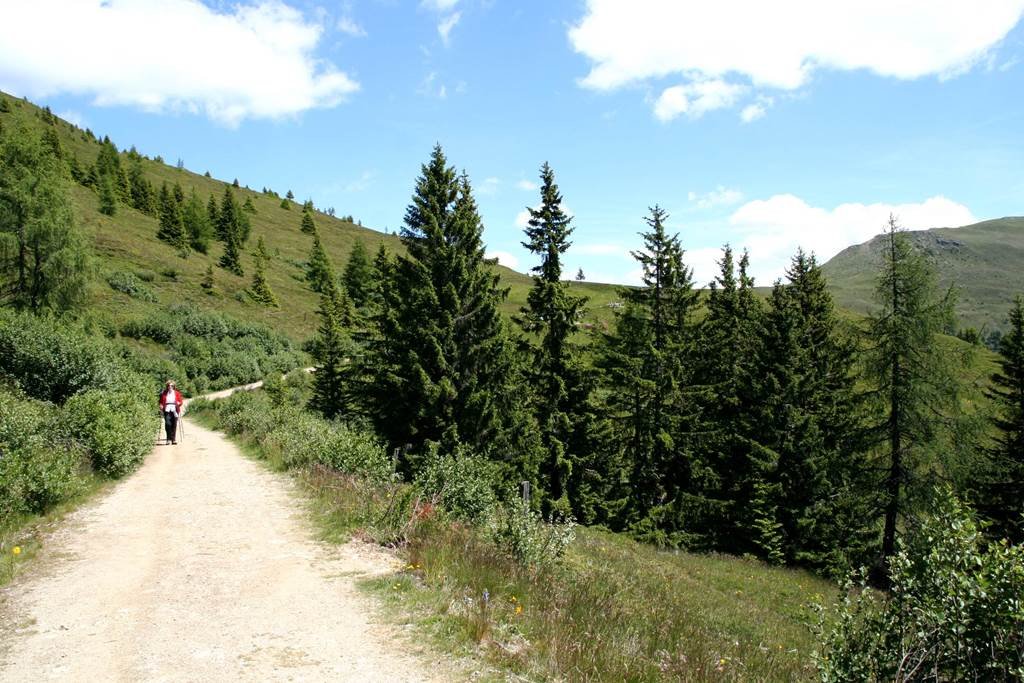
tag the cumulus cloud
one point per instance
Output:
(779, 45)
(504, 258)
(253, 61)
(772, 229)
(72, 116)
(527, 185)
(522, 219)
(720, 196)
(696, 99)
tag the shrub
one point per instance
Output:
(130, 284)
(114, 426)
(145, 275)
(954, 611)
(51, 362)
(525, 537)
(462, 483)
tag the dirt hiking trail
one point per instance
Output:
(201, 566)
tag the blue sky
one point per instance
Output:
(766, 125)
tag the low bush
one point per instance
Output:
(68, 400)
(524, 536)
(463, 484)
(130, 284)
(113, 426)
(954, 611)
(224, 351)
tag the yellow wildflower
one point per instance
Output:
(519, 609)
(16, 550)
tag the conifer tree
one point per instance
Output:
(44, 260)
(198, 229)
(286, 205)
(319, 272)
(732, 466)
(213, 213)
(141, 190)
(1001, 500)
(231, 259)
(560, 383)
(108, 196)
(207, 282)
(912, 381)
(806, 413)
(307, 226)
(332, 348)
(440, 366)
(231, 219)
(248, 205)
(647, 364)
(261, 291)
(172, 228)
(359, 276)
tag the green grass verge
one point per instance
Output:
(613, 609)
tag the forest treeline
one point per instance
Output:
(770, 427)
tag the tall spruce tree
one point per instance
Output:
(359, 277)
(107, 195)
(172, 227)
(913, 382)
(319, 272)
(806, 412)
(231, 219)
(44, 258)
(561, 385)
(141, 190)
(733, 469)
(331, 349)
(260, 289)
(198, 229)
(231, 259)
(647, 365)
(442, 367)
(1001, 500)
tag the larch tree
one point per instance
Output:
(912, 381)
(44, 261)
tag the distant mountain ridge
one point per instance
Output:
(985, 261)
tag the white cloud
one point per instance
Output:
(255, 61)
(348, 26)
(445, 26)
(720, 196)
(752, 112)
(72, 116)
(772, 229)
(504, 258)
(489, 186)
(522, 219)
(696, 99)
(779, 45)
(527, 185)
(439, 5)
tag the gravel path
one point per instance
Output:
(200, 567)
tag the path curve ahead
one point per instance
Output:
(200, 566)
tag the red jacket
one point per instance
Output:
(177, 401)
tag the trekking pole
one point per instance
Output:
(181, 426)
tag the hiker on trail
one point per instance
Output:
(170, 406)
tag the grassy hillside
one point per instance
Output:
(127, 243)
(985, 261)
